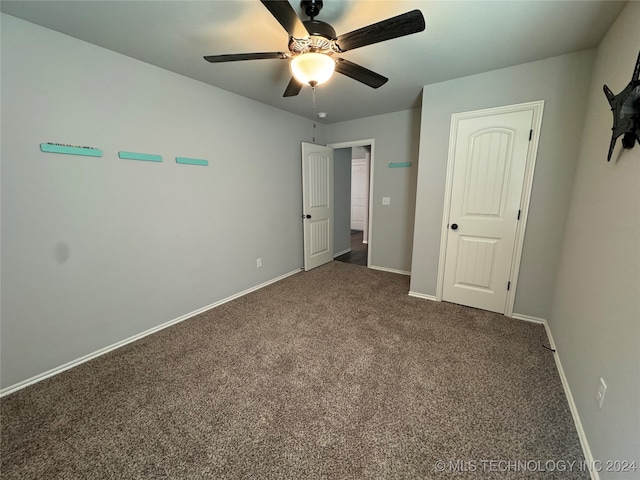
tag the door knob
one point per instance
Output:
(306, 216)
(454, 226)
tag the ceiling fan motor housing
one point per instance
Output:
(316, 28)
(321, 39)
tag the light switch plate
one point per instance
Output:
(386, 200)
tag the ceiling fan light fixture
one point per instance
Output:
(312, 68)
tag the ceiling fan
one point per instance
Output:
(312, 44)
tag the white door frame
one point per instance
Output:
(364, 143)
(537, 107)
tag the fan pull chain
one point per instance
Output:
(313, 90)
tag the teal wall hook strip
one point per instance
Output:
(70, 149)
(192, 161)
(399, 164)
(147, 157)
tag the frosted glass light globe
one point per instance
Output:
(312, 68)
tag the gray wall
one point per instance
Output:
(341, 200)
(396, 140)
(563, 83)
(595, 318)
(95, 250)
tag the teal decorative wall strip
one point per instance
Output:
(192, 161)
(70, 149)
(399, 164)
(147, 157)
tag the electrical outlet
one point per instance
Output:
(386, 200)
(258, 262)
(602, 389)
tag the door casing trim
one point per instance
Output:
(532, 153)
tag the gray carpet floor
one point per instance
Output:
(334, 373)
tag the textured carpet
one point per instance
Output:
(333, 373)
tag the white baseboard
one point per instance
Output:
(390, 270)
(528, 318)
(423, 295)
(567, 391)
(121, 343)
(341, 253)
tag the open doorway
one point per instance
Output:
(352, 181)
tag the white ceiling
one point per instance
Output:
(462, 38)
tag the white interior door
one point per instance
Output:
(359, 194)
(490, 159)
(317, 204)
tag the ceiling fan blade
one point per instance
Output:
(235, 57)
(293, 88)
(405, 24)
(286, 16)
(361, 74)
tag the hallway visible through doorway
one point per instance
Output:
(359, 250)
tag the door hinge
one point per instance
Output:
(519, 212)
(530, 134)
(508, 286)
